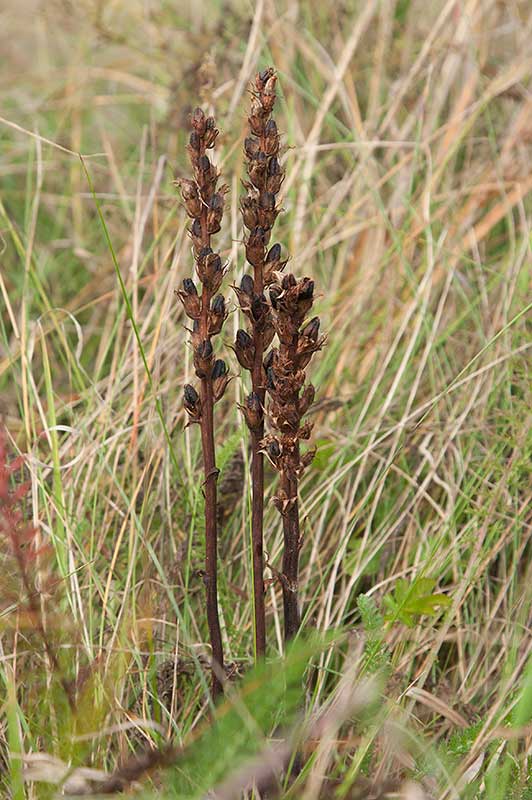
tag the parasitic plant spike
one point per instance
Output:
(204, 204)
(259, 211)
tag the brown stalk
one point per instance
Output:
(259, 211)
(204, 204)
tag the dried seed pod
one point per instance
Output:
(252, 410)
(275, 176)
(255, 245)
(271, 138)
(257, 170)
(215, 212)
(247, 285)
(250, 212)
(244, 348)
(190, 195)
(306, 399)
(210, 271)
(312, 329)
(190, 299)
(197, 120)
(220, 378)
(211, 132)
(203, 355)
(192, 402)
(217, 315)
(251, 147)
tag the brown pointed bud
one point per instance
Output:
(275, 294)
(262, 77)
(194, 142)
(255, 246)
(210, 271)
(195, 235)
(307, 398)
(189, 297)
(275, 176)
(220, 378)
(306, 291)
(271, 138)
(217, 315)
(211, 132)
(192, 402)
(257, 170)
(247, 285)
(244, 349)
(203, 358)
(197, 120)
(252, 411)
(312, 329)
(248, 207)
(305, 298)
(288, 281)
(251, 147)
(190, 195)
(273, 264)
(215, 212)
(267, 211)
(268, 94)
(273, 451)
(206, 176)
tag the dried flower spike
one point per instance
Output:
(204, 204)
(290, 398)
(259, 211)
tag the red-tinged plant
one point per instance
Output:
(22, 541)
(259, 211)
(290, 399)
(204, 203)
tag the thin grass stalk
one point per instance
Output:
(204, 204)
(259, 211)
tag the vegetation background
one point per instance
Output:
(408, 127)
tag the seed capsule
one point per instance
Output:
(247, 285)
(197, 121)
(312, 329)
(244, 349)
(192, 402)
(203, 358)
(252, 411)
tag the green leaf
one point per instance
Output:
(411, 600)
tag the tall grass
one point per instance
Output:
(407, 198)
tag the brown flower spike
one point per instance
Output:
(290, 398)
(259, 211)
(204, 203)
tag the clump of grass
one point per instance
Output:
(204, 203)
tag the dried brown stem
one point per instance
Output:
(204, 204)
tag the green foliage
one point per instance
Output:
(269, 699)
(408, 601)
(376, 654)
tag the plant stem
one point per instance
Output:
(211, 536)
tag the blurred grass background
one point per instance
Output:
(408, 132)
